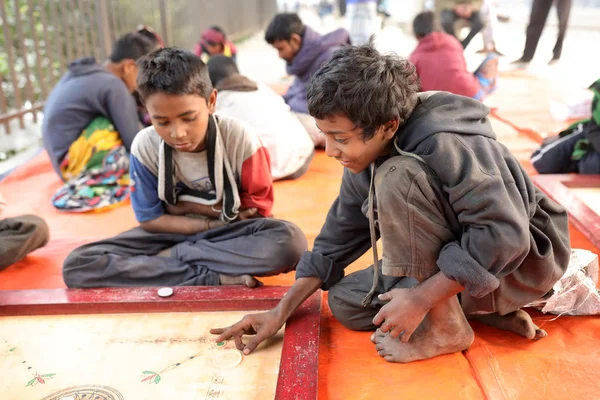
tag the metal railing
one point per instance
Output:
(39, 38)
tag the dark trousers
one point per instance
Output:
(537, 20)
(449, 17)
(20, 236)
(556, 157)
(259, 247)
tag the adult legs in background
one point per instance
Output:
(563, 10)
(537, 20)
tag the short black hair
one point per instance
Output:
(218, 29)
(282, 26)
(149, 34)
(425, 23)
(365, 86)
(221, 67)
(131, 46)
(173, 71)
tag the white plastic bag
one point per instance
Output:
(575, 293)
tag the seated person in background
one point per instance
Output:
(453, 10)
(305, 51)
(576, 149)
(90, 120)
(441, 64)
(201, 190)
(456, 213)
(151, 34)
(158, 42)
(20, 236)
(290, 147)
(213, 42)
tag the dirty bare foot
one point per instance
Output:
(247, 280)
(444, 330)
(518, 322)
(165, 253)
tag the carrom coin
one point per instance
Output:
(226, 359)
(165, 292)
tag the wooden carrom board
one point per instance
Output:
(580, 195)
(131, 344)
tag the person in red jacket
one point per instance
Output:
(441, 64)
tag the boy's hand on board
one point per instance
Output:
(263, 325)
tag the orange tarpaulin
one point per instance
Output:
(499, 365)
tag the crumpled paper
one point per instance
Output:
(575, 293)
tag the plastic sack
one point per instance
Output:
(575, 293)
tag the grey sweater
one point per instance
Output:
(86, 91)
(506, 220)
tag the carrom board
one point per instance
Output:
(580, 195)
(131, 344)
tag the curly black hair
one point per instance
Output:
(173, 71)
(367, 87)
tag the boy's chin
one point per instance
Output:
(184, 147)
(355, 170)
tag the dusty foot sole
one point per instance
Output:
(165, 253)
(518, 322)
(444, 330)
(246, 280)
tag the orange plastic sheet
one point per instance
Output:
(499, 365)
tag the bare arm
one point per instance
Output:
(186, 207)
(176, 221)
(179, 224)
(267, 324)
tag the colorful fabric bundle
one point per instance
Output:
(96, 171)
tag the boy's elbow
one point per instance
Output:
(152, 226)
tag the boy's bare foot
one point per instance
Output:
(444, 330)
(518, 322)
(165, 253)
(247, 280)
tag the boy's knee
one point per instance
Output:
(77, 269)
(39, 229)
(348, 313)
(69, 269)
(290, 241)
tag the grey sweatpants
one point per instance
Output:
(20, 236)
(259, 247)
(415, 222)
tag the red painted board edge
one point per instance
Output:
(558, 187)
(298, 371)
(299, 368)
